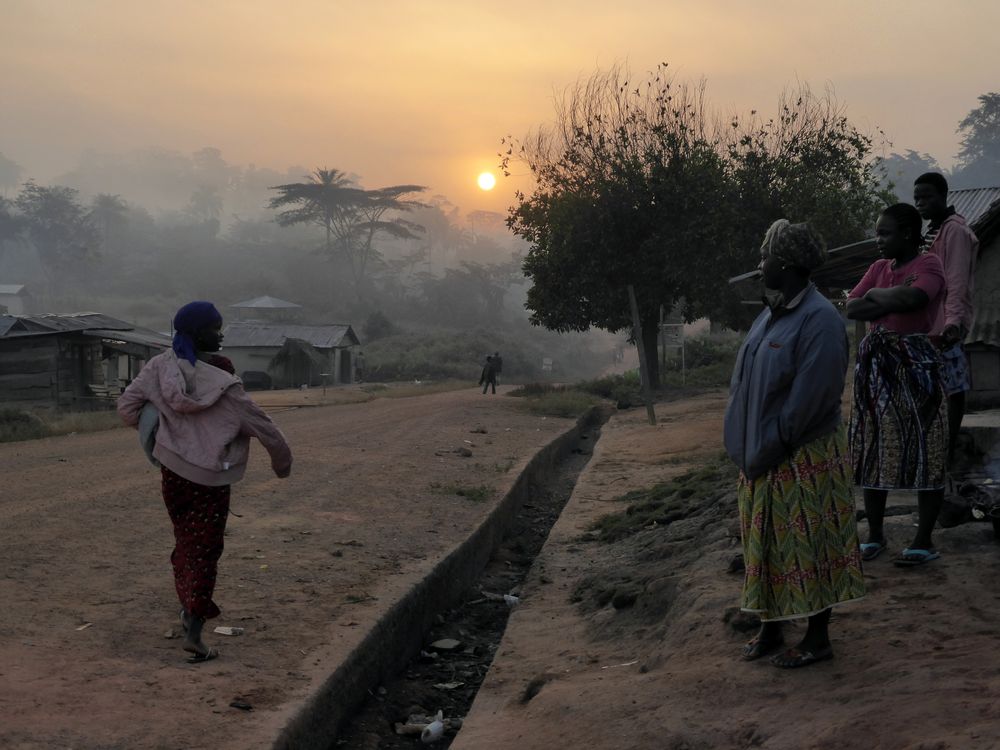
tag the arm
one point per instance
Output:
(899, 299)
(254, 422)
(958, 261)
(862, 308)
(821, 356)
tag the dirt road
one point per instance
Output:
(89, 653)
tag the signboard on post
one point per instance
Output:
(672, 336)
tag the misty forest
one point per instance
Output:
(667, 198)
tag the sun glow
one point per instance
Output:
(486, 181)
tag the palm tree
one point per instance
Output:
(351, 217)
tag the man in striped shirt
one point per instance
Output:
(948, 236)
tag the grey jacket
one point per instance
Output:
(787, 384)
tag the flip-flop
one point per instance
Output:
(794, 658)
(756, 648)
(212, 653)
(910, 558)
(871, 550)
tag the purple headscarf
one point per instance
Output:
(193, 317)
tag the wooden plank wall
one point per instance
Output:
(28, 369)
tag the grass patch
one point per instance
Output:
(477, 494)
(568, 403)
(667, 502)
(17, 424)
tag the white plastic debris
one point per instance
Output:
(226, 630)
(512, 601)
(433, 731)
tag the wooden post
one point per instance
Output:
(647, 391)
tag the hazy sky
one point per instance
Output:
(421, 91)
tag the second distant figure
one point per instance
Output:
(489, 376)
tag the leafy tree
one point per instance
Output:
(351, 217)
(58, 226)
(809, 163)
(979, 157)
(108, 212)
(630, 189)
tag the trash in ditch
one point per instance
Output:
(446, 644)
(226, 630)
(449, 685)
(85, 626)
(433, 731)
(241, 705)
(512, 601)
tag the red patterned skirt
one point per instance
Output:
(199, 515)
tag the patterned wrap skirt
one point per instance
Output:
(800, 539)
(199, 514)
(899, 423)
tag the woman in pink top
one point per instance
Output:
(898, 429)
(206, 421)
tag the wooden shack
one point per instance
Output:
(71, 361)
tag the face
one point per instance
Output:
(770, 269)
(929, 201)
(890, 240)
(209, 339)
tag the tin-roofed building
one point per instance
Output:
(266, 308)
(14, 299)
(293, 355)
(71, 361)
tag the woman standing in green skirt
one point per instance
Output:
(784, 431)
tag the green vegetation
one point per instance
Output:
(16, 424)
(668, 502)
(568, 402)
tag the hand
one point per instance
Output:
(950, 336)
(283, 471)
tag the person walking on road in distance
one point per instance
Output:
(497, 366)
(949, 238)
(489, 375)
(206, 421)
(899, 427)
(784, 431)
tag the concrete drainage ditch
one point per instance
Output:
(432, 650)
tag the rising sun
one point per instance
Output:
(486, 181)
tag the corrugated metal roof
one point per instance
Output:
(266, 302)
(6, 322)
(141, 336)
(32, 325)
(847, 264)
(274, 335)
(11, 288)
(974, 202)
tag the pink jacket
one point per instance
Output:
(206, 420)
(957, 247)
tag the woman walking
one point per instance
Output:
(899, 424)
(784, 431)
(206, 421)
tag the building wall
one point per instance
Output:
(51, 370)
(984, 359)
(14, 303)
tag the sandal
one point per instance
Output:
(910, 558)
(794, 658)
(871, 550)
(756, 648)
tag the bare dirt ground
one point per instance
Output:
(635, 643)
(89, 653)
